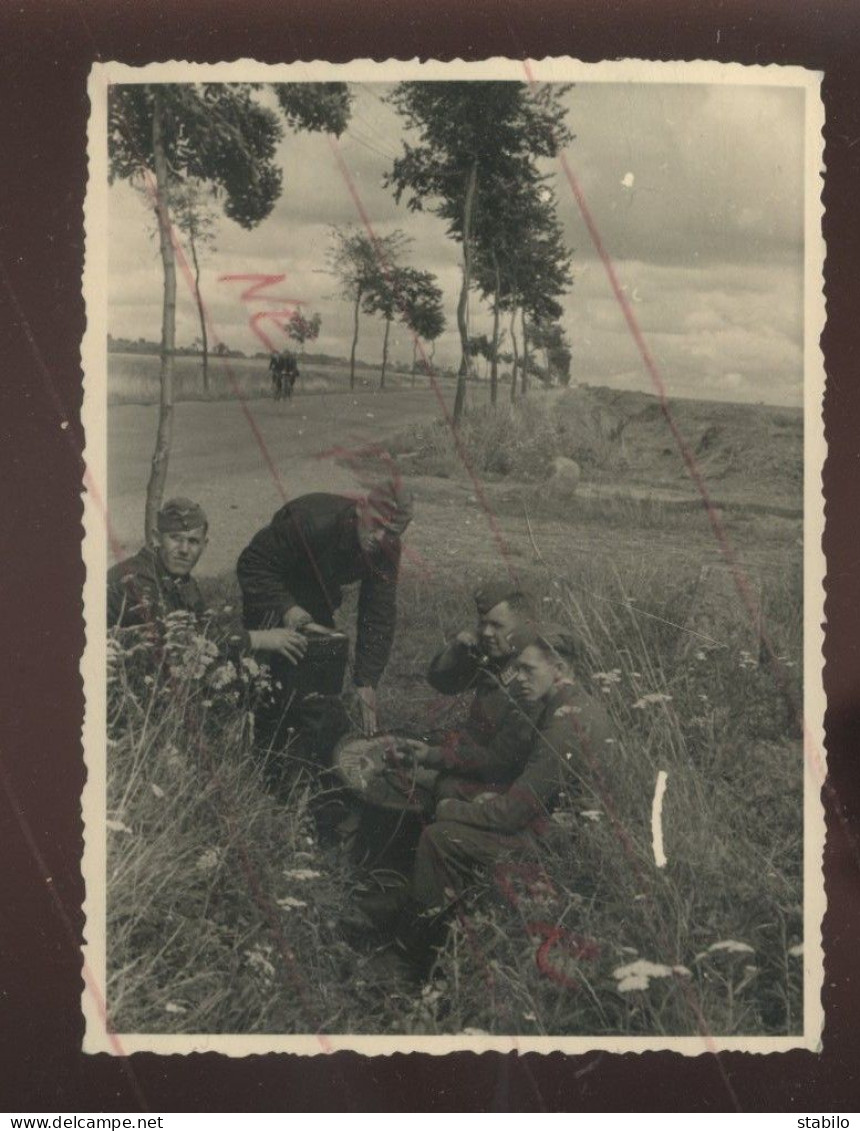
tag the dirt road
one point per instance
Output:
(243, 462)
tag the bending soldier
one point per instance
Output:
(292, 572)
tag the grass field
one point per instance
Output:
(133, 378)
(225, 911)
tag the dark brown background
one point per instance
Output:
(47, 51)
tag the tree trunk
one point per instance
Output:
(465, 367)
(384, 353)
(494, 361)
(200, 313)
(354, 341)
(516, 353)
(414, 358)
(164, 434)
(524, 385)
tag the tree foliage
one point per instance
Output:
(302, 328)
(356, 259)
(475, 142)
(222, 136)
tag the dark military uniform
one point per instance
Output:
(304, 557)
(491, 748)
(569, 737)
(140, 590)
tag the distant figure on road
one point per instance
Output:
(157, 581)
(284, 370)
(292, 571)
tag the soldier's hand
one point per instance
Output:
(296, 617)
(367, 707)
(468, 639)
(292, 645)
(441, 808)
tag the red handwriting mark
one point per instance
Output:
(569, 947)
(260, 284)
(356, 459)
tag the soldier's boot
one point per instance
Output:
(419, 933)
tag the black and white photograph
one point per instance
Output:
(453, 538)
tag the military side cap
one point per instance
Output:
(551, 637)
(492, 593)
(392, 503)
(180, 515)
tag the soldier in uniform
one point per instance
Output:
(157, 581)
(292, 572)
(569, 736)
(489, 750)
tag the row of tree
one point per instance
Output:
(474, 163)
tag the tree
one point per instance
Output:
(219, 135)
(470, 134)
(356, 259)
(422, 312)
(195, 217)
(301, 329)
(549, 337)
(407, 294)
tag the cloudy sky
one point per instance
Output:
(697, 192)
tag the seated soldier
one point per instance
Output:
(486, 752)
(157, 581)
(569, 736)
(490, 748)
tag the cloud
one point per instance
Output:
(697, 192)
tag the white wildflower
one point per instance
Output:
(732, 945)
(726, 946)
(157, 790)
(173, 1007)
(117, 826)
(290, 904)
(208, 860)
(633, 982)
(637, 975)
(302, 874)
(796, 951)
(259, 961)
(652, 697)
(222, 676)
(251, 666)
(592, 814)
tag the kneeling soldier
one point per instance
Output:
(157, 581)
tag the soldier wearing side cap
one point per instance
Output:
(157, 581)
(292, 573)
(489, 749)
(569, 737)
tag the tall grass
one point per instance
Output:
(520, 441)
(726, 907)
(225, 911)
